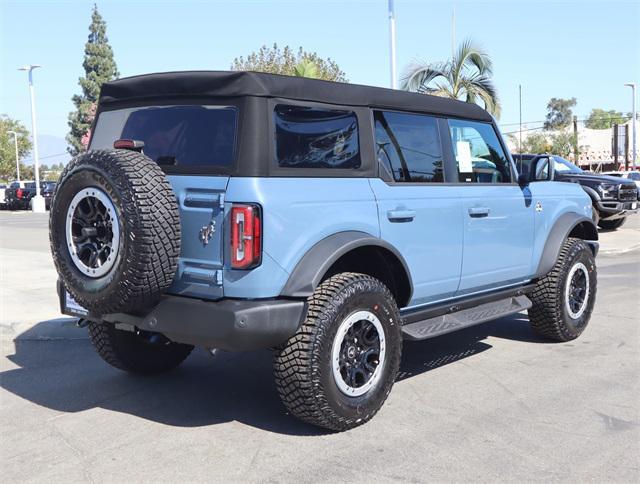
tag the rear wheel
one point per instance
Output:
(612, 224)
(564, 299)
(338, 369)
(136, 351)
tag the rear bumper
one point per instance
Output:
(229, 324)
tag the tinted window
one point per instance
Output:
(409, 145)
(565, 166)
(316, 138)
(173, 135)
(478, 153)
(634, 176)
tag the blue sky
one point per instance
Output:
(583, 49)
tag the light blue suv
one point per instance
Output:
(326, 221)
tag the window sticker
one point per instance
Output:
(463, 149)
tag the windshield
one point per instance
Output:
(634, 175)
(565, 166)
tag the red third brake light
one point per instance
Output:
(246, 236)
(128, 144)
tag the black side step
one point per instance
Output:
(447, 323)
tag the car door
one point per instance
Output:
(417, 213)
(497, 212)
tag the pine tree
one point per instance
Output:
(99, 67)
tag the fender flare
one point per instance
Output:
(594, 195)
(308, 272)
(558, 234)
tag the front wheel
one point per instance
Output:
(612, 224)
(338, 369)
(563, 300)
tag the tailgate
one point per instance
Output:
(201, 202)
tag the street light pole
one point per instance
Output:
(392, 42)
(15, 140)
(632, 85)
(37, 202)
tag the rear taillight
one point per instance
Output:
(19, 193)
(246, 236)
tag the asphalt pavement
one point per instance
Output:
(489, 403)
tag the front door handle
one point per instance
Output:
(401, 215)
(479, 212)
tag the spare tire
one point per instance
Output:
(114, 230)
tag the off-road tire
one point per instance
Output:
(129, 351)
(149, 222)
(612, 224)
(302, 366)
(549, 315)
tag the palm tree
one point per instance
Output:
(467, 76)
(307, 68)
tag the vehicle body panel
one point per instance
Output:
(497, 243)
(296, 215)
(431, 241)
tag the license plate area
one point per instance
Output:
(69, 306)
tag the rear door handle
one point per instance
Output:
(479, 212)
(401, 215)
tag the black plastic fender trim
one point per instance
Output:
(558, 234)
(307, 274)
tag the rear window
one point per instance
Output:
(181, 136)
(309, 137)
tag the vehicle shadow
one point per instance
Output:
(58, 369)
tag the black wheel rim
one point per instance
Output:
(358, 353)
(577, 290)
(93, 233)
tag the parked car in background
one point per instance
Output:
(48, 190)
(19, 194)
(613, 198)
(3, 203)
(629, 175)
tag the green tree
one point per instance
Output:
(563, 143)
(601, 119)
(307, 68)
(283, 61)
(99, 67)
(559, 113)
(467, 76)
(8, 147)
(536, 143)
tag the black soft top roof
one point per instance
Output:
(223, 84)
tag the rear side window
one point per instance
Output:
(191, 136)
(409, 145)
(478, 153)
(309, 137)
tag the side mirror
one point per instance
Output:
(523, 180)
(543, 169)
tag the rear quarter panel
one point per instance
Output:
(297, 214)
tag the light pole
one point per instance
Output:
(15, 140)
(37, 202)
(632, 85)
(392, 44)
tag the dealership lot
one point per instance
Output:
(490, 402)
